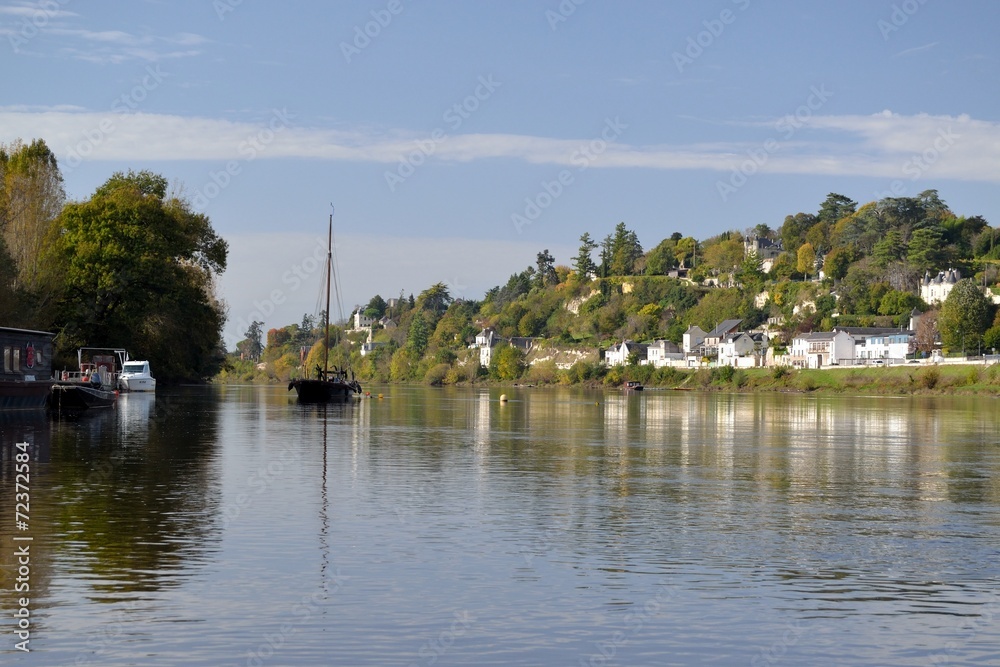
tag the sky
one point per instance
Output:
(455, 140)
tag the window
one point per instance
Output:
(16, 363)
(8, 359)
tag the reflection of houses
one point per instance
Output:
(618, 354)
(936, 289)
(821, 348)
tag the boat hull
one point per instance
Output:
(16, 395)
(75, 397)
(322, 391)
(137, 383)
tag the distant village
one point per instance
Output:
(728, 344)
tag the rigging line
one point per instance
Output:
(335, 273)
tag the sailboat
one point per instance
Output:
(329, 385)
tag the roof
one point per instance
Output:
(869, 331)
(818, 335)
(725, 327)
(26, 331)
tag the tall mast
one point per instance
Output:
(329, 267)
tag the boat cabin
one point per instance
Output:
(26, 367)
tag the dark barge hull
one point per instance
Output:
(15, 395)
(322, 391)
(76, 397)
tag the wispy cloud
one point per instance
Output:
(874, 145)
(43, 29)
(916, 49)
(29, 10)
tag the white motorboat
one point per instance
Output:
(136, 376)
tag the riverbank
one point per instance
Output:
(895, 380)
(974, 379)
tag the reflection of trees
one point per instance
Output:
(607, 473)
(135, 505)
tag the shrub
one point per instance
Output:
(436, 374)
(723, 373)
(928, 378)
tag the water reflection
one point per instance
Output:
(841, 530)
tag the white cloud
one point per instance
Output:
(877, 145)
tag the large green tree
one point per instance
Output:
(583, 263)
(964, 317)
(622, 251)
(136, 269)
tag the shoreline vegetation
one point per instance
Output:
(972, 378)
(904, 268)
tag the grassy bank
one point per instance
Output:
(957, 379)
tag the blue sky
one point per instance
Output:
(458, 139)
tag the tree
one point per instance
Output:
(927, 248)
(926, 335)
(725, 256)
(506, 362)
(835, 208)
(818, 236)
(896, 302)
(136, 269)
(806, 259)
(793, 231)
(546, 273)
(964, 316)
(418, 335)
(254, 346)
(435, 298)
(31, 196)
(891, 248)
(751, 271)
(375, 308)
(623, 251)
(662, 258)
(583, 264)
(686, 247)
(838, 261)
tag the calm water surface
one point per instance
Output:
(231, 526)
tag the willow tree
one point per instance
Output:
(137, 270)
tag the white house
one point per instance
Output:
(618, 354)
(765, 249)
(893, 345)
(486, 340)
(662, 353)
(362, 322)
(742, 350)
(693, 338)
(822, 348)
(936, 289)
(713, 338)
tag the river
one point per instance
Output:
(231, 526)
